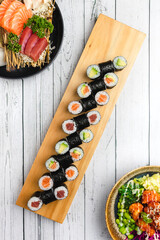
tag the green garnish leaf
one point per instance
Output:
(146, 218)
(39, 25)
(13, 43)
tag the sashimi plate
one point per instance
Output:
(56, 40)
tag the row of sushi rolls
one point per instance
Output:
(24, 27)
(61, 167)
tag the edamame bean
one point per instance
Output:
(117, 221)
(130, 236)
(127, 215)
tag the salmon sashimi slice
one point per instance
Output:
(19, 18)
(30, 44)
(38, 49)
(26, 34)
(6, 21)
(3, 7)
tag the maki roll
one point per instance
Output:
(62, 147)
(84, 90)
(48, 196)
(97, 86)
(86, 135)
(61, 192)
(93, 117)
(71, 173)
(102, 98)
(76, 154)
(35, 203)
(45, 182)
(119, 63)
(88, 103)
(75, 107)
(52, 164)
(74, 140)
(110, 79)
(81, 122)
(69, 126)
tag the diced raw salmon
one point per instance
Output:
(19, 18)
(3, 7)
(6, 21)
(39, 48)
(30, 44)
(26, 34)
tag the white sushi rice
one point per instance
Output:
(79, 90)
(116, 66)
(61, 188)
(75, 173)
(65, 128)
(97, 119)
(98, 95)
(111, 75)
(97, 68)
(80, 150)
(50, 183)
(34, 199)
(58, 144)
(48, 163)
(79, 110)
(90, 135)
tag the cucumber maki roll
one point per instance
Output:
(93, 71)
(88, 103)
(71, 173)
(84, 90)
(75, 107)
(110, 79)
(102, 98)
(86, 135)
(93, 117)
(35, 203)
(106, 67)
(119, 63)
(62, 147)
(76, 154)
(69, 126)
(97, 85)
(74, 140)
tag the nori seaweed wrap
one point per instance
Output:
(88, 103)
(97, 85)
(106, 67)
(58, 177)
(48, 196)
(64, 160)
(81, 122)
(74, 140)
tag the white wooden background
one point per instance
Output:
(130, 140)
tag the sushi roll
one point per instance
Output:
(76, 154)
(75, 107)
(74, 140)
(86, 135)
(119, 63)
(71, 173)
(106, 67)
(69, 126)
(52, 164)
(102, 98)
(61, 192)
(84, 90)
(35, 203)
(45, 182)
(93, 117)
(110, 79)
(48, 196)
(93, 71)
(62, 147)
(88, 103)
(97, 85)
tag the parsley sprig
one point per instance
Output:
(13, 43)
(39, 25)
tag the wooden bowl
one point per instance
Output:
(110, 212)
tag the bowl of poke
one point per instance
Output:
(133, 206)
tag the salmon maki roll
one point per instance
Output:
(3, 7)
(6, 21)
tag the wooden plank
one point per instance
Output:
(98, 48)
(64, 65)
(154, 83)
(11, 153)
(132, 116)
(99, 180)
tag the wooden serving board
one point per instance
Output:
(108, 39)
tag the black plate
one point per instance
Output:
(56, 37)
